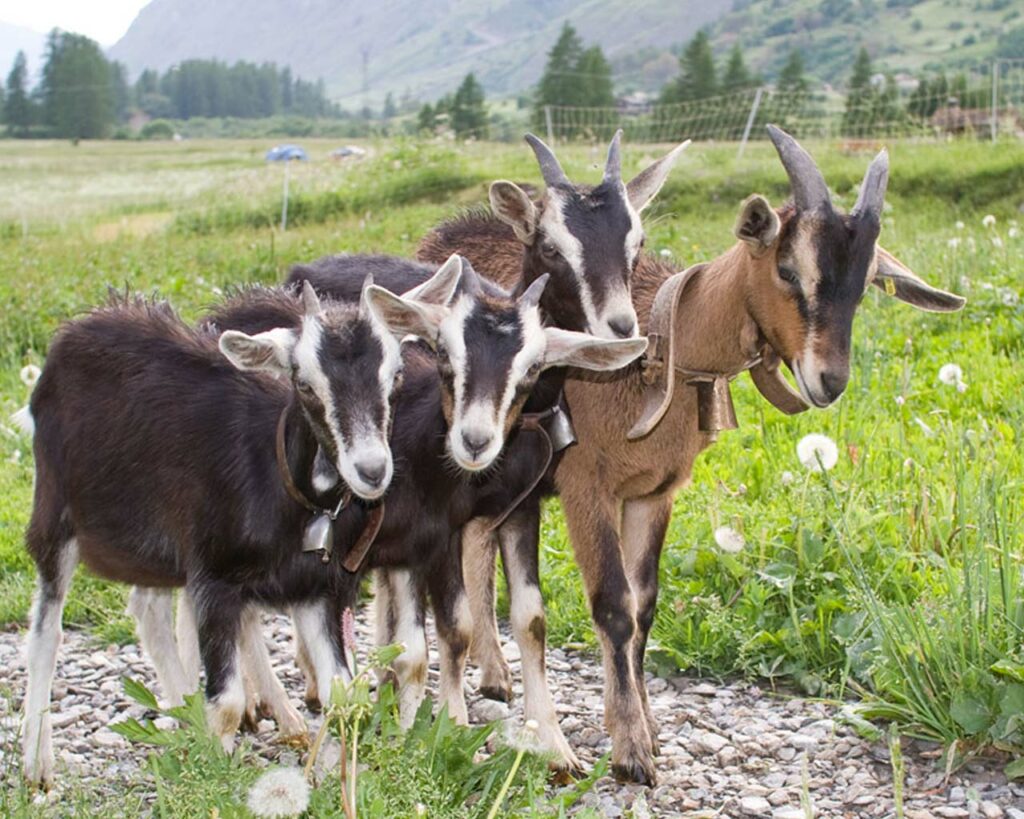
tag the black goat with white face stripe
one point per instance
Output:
(587, 238)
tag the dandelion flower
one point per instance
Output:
(997, 242)
(954, 242)
(900, 400)
(280, 792)
(960, 225)
(30, 374)
(729, 540)
(988, 221)
(421, 809)
(787, 477)
(1013, 232)
(817, 452)
(665, 252)
(951, 374)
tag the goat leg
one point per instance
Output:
(479, 550)
(153, 612)
(519, 537)
(644, 523)
(401, 618)
(453, 620)
(218, 610)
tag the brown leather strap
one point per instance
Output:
(770, 382)
(282, 466)
(532, 422)
(355, 556)
(659, 361)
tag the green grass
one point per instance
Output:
(896, 576)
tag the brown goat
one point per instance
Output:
(786, 291)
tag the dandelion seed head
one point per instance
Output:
(817, 452)
(960, 225)
(988, 220)
(951, 374)
(900, 400)
(961, 387)
(30, 375)
(729, 540)
(787, 477)
(997, 242)
(954, 242)
(665, 252)
(279, 792)
(1009, 297)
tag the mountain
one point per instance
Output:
(18, 38)
(424, 47)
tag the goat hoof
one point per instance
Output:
(635, 771)
(313, 704)
(298, 741)
(250, 723)
(493, 692)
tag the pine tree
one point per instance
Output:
(860, 96)
(17, 104)
(468, 111)
(390, 110)
(560, 84)
(77, 96)
(595, 79)
(426, 120)
(791, 78)
(697, 79)
(737, 77)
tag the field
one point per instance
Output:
(895, 578)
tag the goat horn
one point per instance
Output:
(809, 188)
(613, 167)
(550, 169)
(310, 300)
(872, 190)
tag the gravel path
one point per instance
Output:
(727, 750)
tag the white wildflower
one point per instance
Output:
(961, 386)
(997, 242)
(665, 252)
(927, 430)
(1013, 232)
(965, 282)
(532, 725)
(15, 456)
(1008, 297)
(421, 809)
(900, 400)
(960, 225)
(279, 792)
(988, 221)
(729, 540)
(954, 242)
(817, 452)
(951, 374)
(787, 477)
(30, 374)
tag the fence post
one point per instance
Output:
(750, 122)
(284, 196)
(995, 99)
(547, 122)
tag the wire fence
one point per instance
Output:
(986, 103)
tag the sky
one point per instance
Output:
(102, 20)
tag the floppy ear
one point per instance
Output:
(757, 224)
(643, 187)
(567, 348)
(402, 316)
(511, 204)
(440, 287)
(897, 280)
(270, 351)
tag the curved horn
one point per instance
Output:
(872, 190)
(550, 169)
(531, 298)
(809, 188)
(310, 300)
(613, 166)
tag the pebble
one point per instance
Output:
(727, 750)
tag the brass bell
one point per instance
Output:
(560, 430)
(714, 405)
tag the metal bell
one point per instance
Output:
(560, 431)
(714, 405)
(319, 536)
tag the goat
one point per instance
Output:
(587, 238)
(156, 464)
(474, 383)
(787, 291)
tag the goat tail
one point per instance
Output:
(24, 421)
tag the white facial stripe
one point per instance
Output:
(552, 225)
(307, 360)
(453, 334)
(636, 229)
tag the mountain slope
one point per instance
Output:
(423, 46)
(18, 38)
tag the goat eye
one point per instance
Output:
(304, 388)
(789, 275)
(549, 251)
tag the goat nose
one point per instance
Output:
(833, 383)
(622, 326)
(372, 472)
(476, 441)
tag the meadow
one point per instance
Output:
(895, 578)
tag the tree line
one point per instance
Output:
(82, 95)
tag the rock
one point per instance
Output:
(489, 711)
(990, 810)
(951, 812)
(803, 742)
(957, 795)
(706, 742)
(755, 806)
(788, 813)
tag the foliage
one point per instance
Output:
(574, 76)
(697, 79)
(18, 113)
(869, 106)
(78, 101)
(737, 76)
(468, 111)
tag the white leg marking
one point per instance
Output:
(260, 671)
(224, 713)
(411, 665)
(152, 610)
(188, 640)
(311, 625)
(44, 638)
(453, 667)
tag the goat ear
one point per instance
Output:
(270, 351)
(440, 287)
(567, 348)
(643, 187)
(758, 224)
(511, 204)
(402, 316)
(897, 280)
